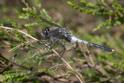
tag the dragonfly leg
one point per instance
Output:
(63, 48)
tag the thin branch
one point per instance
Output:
(49, 22)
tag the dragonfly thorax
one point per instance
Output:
(57, 33)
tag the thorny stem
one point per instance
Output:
(78, 75)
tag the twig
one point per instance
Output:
(22, 44)
(51, 23)
(22, 32)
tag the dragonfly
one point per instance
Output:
(56, 34)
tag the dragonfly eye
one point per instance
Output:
(46, 31)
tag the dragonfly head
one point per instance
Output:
(45, 32)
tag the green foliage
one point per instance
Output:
(40, 17)
(15, 76)
(112, 12)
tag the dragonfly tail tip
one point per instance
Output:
(113, 50)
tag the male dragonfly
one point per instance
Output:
(56, 34)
